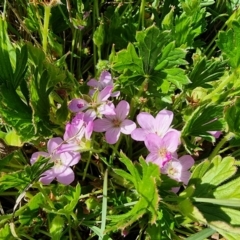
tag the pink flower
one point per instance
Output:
(62, 162)
(178, 169)
(159, 125)
(104, 81)
(216, 134)
(77, 134)
(161, 149)
(98, 106)
(114, 125)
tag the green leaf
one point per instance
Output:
(150, 47)
(205, 71)
(201, 235)
(17, 180)
(56, 227)
(228, 190)
(228, 43)
(189, 25)
(145, 182)
(205, 118)
(73, 201)
(39, 101)
(128, 59)
(219, 171)
(21, 66)
(172, 56)
(31, 212)
(156, 59)
(98, 36)
(232, 116)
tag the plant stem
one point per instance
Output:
(47, 14)
(141, 15)
(104, 204)
(221, 86)
(219, 145)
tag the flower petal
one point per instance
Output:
(93, 83)
(69, 158)
(77, 105)
(146, 121)
(153, 142)
(104, 94)
(139, 134)
(106, 109)
(36, 155)
(102, 125)
(47, 177)
(112, 135)
(171, 141)
(53, 144)
(127, 126)
(122, 110)
(106, 79)
(152, 157)
(66, 177)
(163, 121)
(185, 177)
(186, 161)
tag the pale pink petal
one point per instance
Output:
(69, 158)
(171, 141)
(90, 115)
(153, 142)
(177, 132)
(162, 122)
(175, 189)
(186, 161)
(89, 130)
(153, 157)
(115, 94)
(122, 110)
(185, 177)
(93, 83)
(139, 134)
(102, 125)
(127, 126)
(104, 94)
(73, 146)
(106, 79)
(91, 92)
(77, 105)
(74, 130)
(146, 121)
(36, 155)
(106, 109)
(47, 177)
(53, 144)
(66, 177)
(112, 135)
(216, 134)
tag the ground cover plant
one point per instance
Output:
(119, 119)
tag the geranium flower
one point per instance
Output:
(62, 163)
(161, 149)
(77, 134)
(116, 124)
(178, 169)
(97, 107)
(159, 125)
(105, 80)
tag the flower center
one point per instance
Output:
(165, 155)
(57, 162)
(116, 122)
